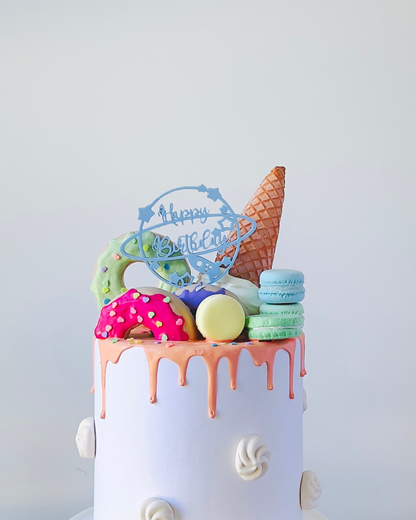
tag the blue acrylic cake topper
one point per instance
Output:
(193, 246)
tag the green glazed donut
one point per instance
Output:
(108, 277)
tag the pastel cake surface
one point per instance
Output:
(172, 449)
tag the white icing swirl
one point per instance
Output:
(305, 400)
(252, 458)
(245, 290)
(310, 490)
(155, 509)
(85, 438)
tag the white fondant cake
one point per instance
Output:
(188, 428)
(174, 451)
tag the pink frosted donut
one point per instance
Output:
(163, 313)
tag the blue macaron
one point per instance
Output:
(281, 286)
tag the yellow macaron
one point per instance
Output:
(220, 318)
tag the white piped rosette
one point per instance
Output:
(252, 458)
(85, 438)
(310, 490)
(155, 509)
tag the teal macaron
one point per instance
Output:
(276, 322)
(279, 286)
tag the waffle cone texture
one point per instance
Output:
(256, 252)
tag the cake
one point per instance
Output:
(199, 382)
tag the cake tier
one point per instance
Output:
(206, 463)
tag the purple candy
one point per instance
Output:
(196, 294)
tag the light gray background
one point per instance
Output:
(106, 104)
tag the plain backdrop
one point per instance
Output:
(106, 104)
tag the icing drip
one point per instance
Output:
(181, 352)
(302, 355)
(110, 352)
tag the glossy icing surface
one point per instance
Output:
(181, 352)
(161, 312)
(108, 278)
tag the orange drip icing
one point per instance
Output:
(302, 355)
(181, 352)
(109, 351)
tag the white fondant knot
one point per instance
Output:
(305, 401)
(155, 509)
(310, 490)
(85, 438)
(252, 458)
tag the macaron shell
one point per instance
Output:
(270, 320)
(220, 318)
(281, 278)
(272, 334)
(292, 309)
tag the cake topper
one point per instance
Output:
(190, 223)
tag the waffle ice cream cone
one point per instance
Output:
(256, 252)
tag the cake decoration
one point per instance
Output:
(305, 401)
(182, 352)
(281, 286)
(165, 315)
(201, 219)
(265, 208)
(245, 290)
(290, 310)
(194, 294)
(220, 318)
(310, 490)
(85, 438)
(108, 277)
(252, 458)
(155, 509)
(275, 326)
(209, 262)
